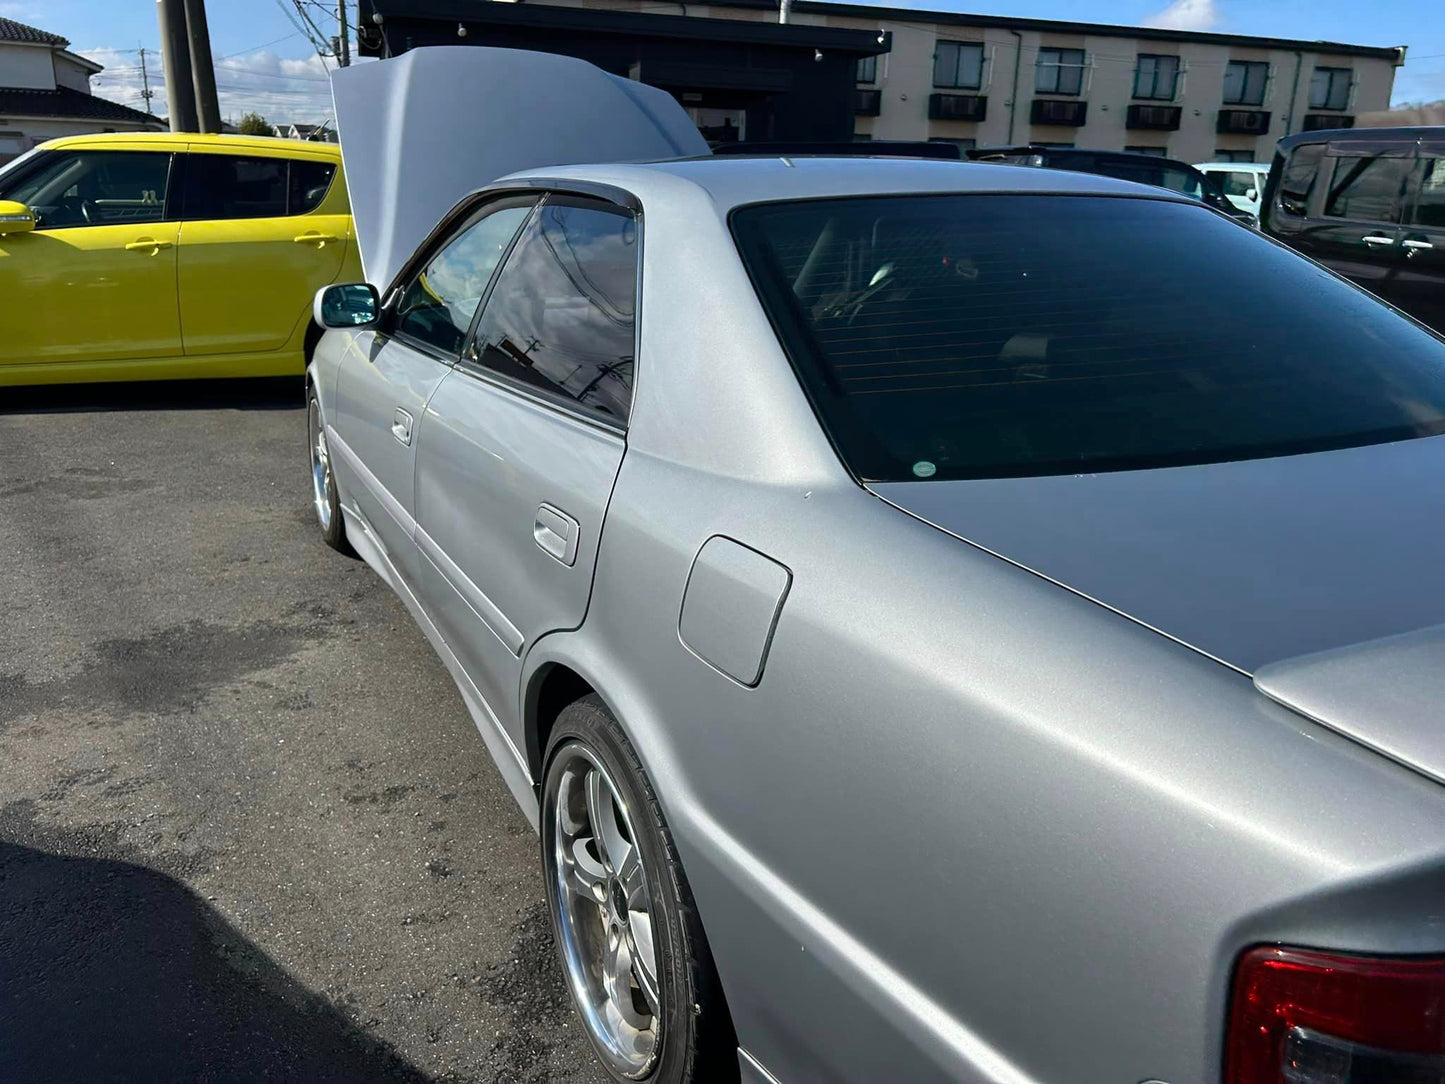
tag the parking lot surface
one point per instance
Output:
(247, 829)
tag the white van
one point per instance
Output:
(1243, 182)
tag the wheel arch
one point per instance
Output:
(552, 687)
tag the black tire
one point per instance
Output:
(325, 501)
(698, 1044)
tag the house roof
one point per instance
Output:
(10, 30)
(64, 102)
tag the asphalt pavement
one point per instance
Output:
(247, 829)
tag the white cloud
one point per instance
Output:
(1186, 15)
(281, 89)
(20, 12)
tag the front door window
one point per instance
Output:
(95, 188)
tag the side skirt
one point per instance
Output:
(203, 367)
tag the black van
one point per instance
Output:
(1370, 204)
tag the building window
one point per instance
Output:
(1223, 155)
(1157, 152)
(1156, 77)
(1245, 82)
(958, 64)
(867, 69)
(1059, 71)
(1330, 89)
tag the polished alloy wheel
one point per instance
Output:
(320, 465)
(605, 917)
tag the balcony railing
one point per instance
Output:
(1155, 118)
(957, 106)
(867, 103)
(1314, 122)
(1052, 111)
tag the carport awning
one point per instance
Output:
(631, 24)
(664, 73)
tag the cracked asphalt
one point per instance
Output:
(247, 829)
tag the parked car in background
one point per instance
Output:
(158, 255)
(948, 622)
(1241, 182)
(1126, 166)
(1369, 203)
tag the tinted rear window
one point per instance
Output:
(995, 336)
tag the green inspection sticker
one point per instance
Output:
(924, 469)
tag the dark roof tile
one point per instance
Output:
(65, 102)
(10, 30)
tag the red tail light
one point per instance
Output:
(1303, 1017)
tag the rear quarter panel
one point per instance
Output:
(970, 826)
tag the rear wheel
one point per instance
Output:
(323, 484)
(632, 947)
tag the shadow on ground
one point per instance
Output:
(257, 393)
(112, 971)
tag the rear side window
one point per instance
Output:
(1016, 335)
(560, 318)
(225, 186)
(1297, 179)
(437, 306)
(1429, 208)
(1368, 189)
(309, 183)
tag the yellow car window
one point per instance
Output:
(95, 188)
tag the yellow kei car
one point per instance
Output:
(154, 256)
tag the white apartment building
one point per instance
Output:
(979, 80)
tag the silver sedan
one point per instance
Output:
(948, 622)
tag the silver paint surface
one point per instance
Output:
(969, 825)
(1388, 694)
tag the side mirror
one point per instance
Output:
(1252, 195)
(352, 304)
(15, 217)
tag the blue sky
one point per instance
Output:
(266, 64)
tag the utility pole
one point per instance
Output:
(203, 74)
(146, 93)
(343, 53)
(176, 63)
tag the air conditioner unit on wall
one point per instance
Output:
(1243, 121)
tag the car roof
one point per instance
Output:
(1364, 135)
(734, 181)
(1206, 167)
(203, 139)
